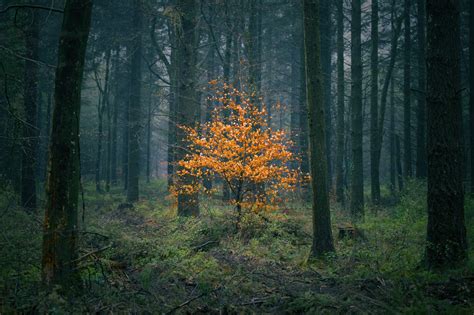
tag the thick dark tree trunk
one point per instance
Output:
(340, 104)
(30, 128)
(374, 106)
(134, 109)
(357, 180)
(326, 54)
(421, 106)
(322, 235)
(188, 205)
(471, 89)
(407, 92)
(446, 231)
(59, 264)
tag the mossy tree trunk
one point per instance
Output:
(322, 235)
(134, 108)
(357, 178)
(30, 128)
(446, 231)
(187, 106)
(59, 265)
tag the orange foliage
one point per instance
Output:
(238, 146)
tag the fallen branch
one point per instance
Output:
(191, 300)
(203, 245)
(92, 253)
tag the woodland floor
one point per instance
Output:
(145, 260)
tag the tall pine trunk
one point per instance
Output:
(357, 180)
(374, 105)
(134, 109)
(59, 261)
(407, 92)
(187, 107)
(421, 99)
(30, 127)
(340, 103)
(446, 231)
(322, 235)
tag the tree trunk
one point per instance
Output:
(374, 106)
(30, 127)
(340, 103)
(188, 204)
(421, 108)
(134, 109)
(322, 235)
(398, 154)
(407, 92)
(59, 264)
(118, 95)
(357, 180)
(446, 231)
(109, 127)
(326, 67)
(100, 135)
(393, 184)
(471, 88)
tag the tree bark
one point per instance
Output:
(407, 92)
(59, 265)
(421, 108)
(471, 88)
(446, 231)
(188, 204)
(134, 109)
(30, 127)
(340, 104)
(322, 235)
(357, 181)
(374, 106)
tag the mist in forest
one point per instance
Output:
(236, 156)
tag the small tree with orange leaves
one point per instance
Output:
(238, 146)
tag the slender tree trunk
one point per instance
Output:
(118, 95)
(407, 92)
(134, 109)
(226, 70)
(304, 129)
(374, 106)
(59, 263)
(172, 113)
(188, 205)
(357, 181)
(471, 88)
(398, 154)
(30, 126)
(340, 103)
(109, 127)
(446, 231)
(421, 108)
(326, 54)
(148, 134)
(100, 135)
(322, 235)
(393, 184)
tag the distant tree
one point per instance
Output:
(322, 235)
(59, 264)
(446, 231)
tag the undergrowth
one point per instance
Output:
(143, 259)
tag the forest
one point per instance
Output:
(236, 157)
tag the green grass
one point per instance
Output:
(157, 262)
